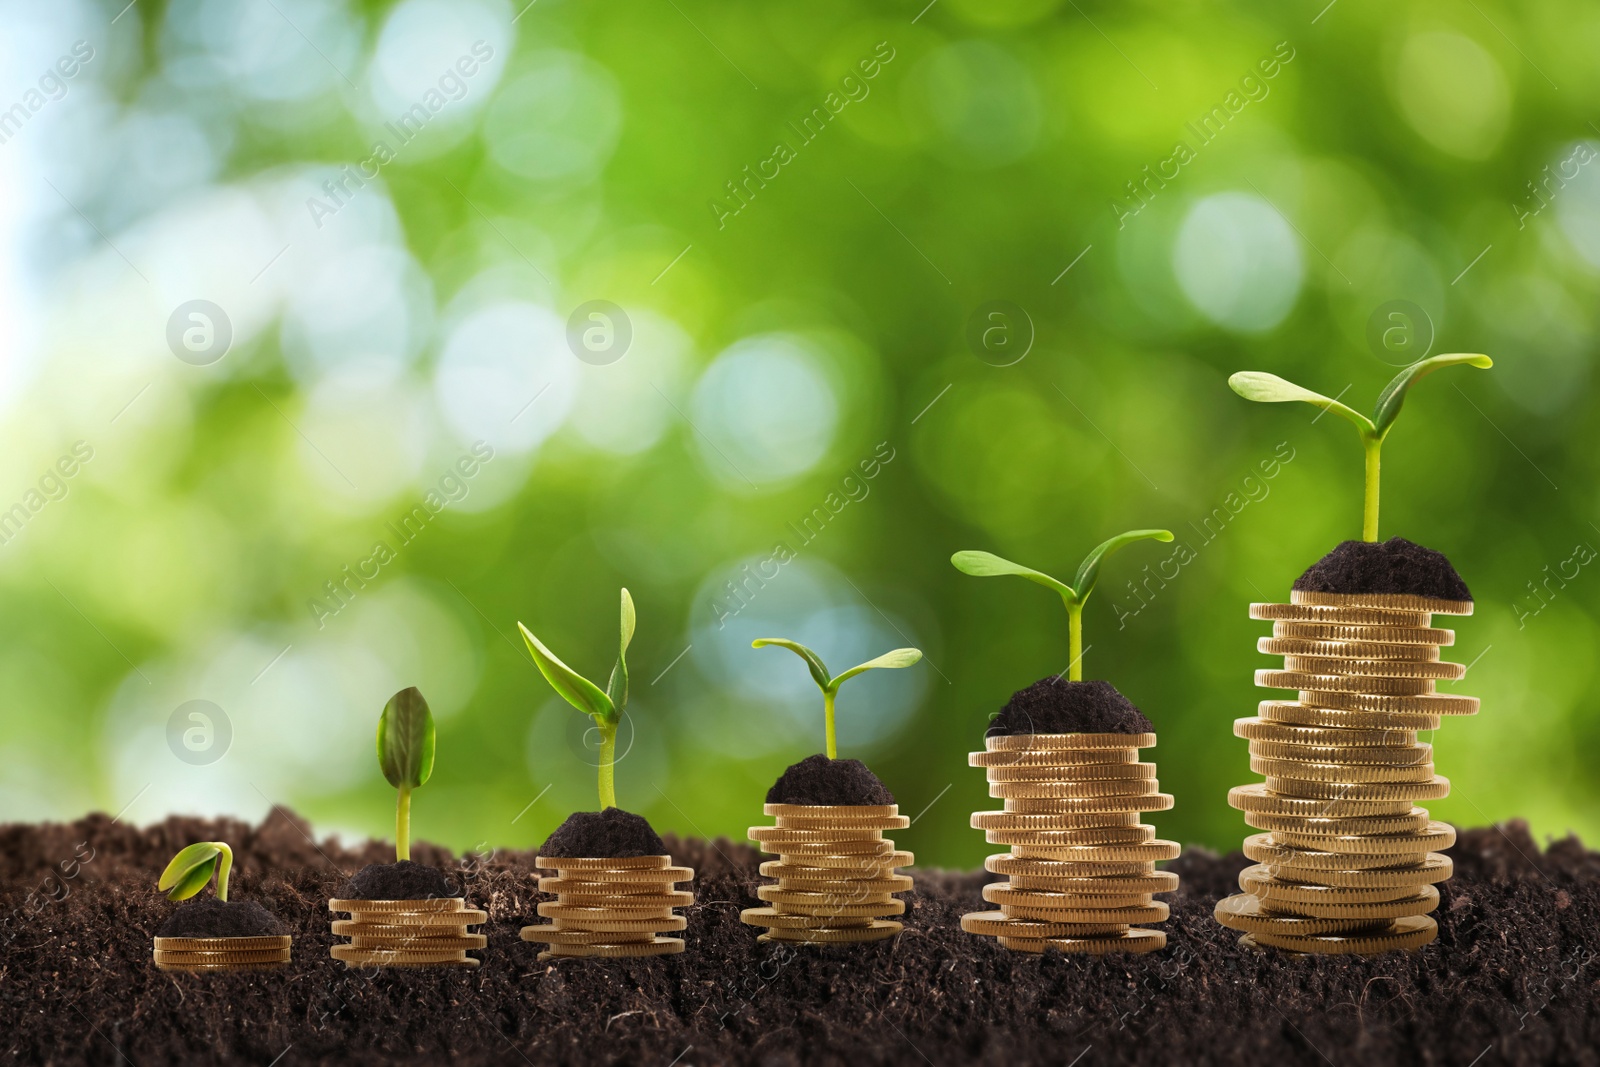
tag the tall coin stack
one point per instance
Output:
(1082, 868)
(835, 873)
(611, 907)
(1346, 863)
(407, 933)
(198, 954)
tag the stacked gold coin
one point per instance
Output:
(407, 933)
(1082, 868)
(611, 907)
(198, 954)
(835, 873)
(1346, 862)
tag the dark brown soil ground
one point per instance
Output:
(1053, 706)
(1513, 978)
(1392, 566)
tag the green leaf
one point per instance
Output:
(1394, 394)
(987, 564)
(617, 687)
(189, 870)
(405, 739)
(1271, 389)
(1089, 569)
(819, 670)
(900, 657)
(574, 688)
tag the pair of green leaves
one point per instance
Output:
(900, 657)
(987, 564)
(406, 740)
(606, 705)
(1271, 389)
(192, 868)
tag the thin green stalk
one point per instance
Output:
(1369, 510)
(1075, 642)
(827, 710)
(224, 865)
(608, 764)
(402, 824)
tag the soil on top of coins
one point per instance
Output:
(820, 780)
(210, 917)
(610, 834)
(1392, 566)
(403, 880)
(1053, 706)
(1514, 976)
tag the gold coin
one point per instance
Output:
(1257, 798)
(1376, 668)
(1383, 602)
(1059, 790)
(1055, 742)
(1136, 940)
(1251, 914)
(999, 924)
(1363, 650)
(836, 914)
(887, 822)
(1340, 773)
(463, 941)
(1330, 683)
(1102, 804)
(1277, 733)
(1153, 912)
(876, 930)
(1405, 792)
(208, 968)
(223, 944)
(1345, 614)
(644, 880)
(1009, 865)
(1059, 839)
(1412, 822)
(553, 935)
(1143, 884)
(220, 959)
(1406, 935)
(778, 835)
(1382, 635)
(1081, 820)
(627, 888)
(1013, 823)
(862, 850)
(1430, 704)
(432, 904)
(1085, 773)
(1060, 757)
(1146, 853)
(1437, 835)
(842, 895)
(1310, 898)
(832, 811)
(868, 865)
(1298, 713)
(1404, 900)
(659, 946)
(621, 863)
(1366, 755)
(356, 927)
(1288, 861)
(1037, 904)
(629, 901)
(574, 919)
(1432, 868)
(387, 957)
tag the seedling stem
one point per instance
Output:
(900, 657)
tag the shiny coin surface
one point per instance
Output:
(877, 930)
(1137, 803)
(1330, 683)
(888, 822)
(581, 863)
(1068, 790)
(1345, 614)
(861, 851)
(836, 914)
(1362, 650)
(1382, 635)
(629, 902)
(428, 944)
(1382, 602)
(1060, 757)
(1286, 860)
(1146, 853)
(387, 957)
(627, 881)
(1084, 773)
(658, 946)
(1052, 742)
(1376, 668)
(597, 919)
(1378, 703)
(998, 924)
(832, 811)
(1308, 898)
(872, 866)
(1135, 940)
(1154, 882)
(777, 835)
(1156, 911)
(1251, 914)
(1377, 825)
(1258, 798)
(1279, 733)
(223, 958)
(1056, 808)
(620, 886)
(222, 944)
(1008, 864)
(433, 904)
(1432, 869)
(1405, 934)
(1070, 838)
(1436, 835)
(1340, 772)
(1436, 787)
(1385, 756)
(1299, 713)
(1066, 825)
(553, 935)
(1402, 901)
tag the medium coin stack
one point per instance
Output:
(200, 954)
(407, 933)
(1082, 868)
(835, 873)
(611, 907)
(1346, 862)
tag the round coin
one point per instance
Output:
(1376, 668)
(600, 919)
(1147, 853)
(1433, 868)
(778, 835)
(1054, 742)
(583, 863)
(1383, 635)
(1300, 713)
(1308, 898)
(1330, 683)
(1377, 825)
(1135, 940)
(1406, 901)
(1382, 602)
(222, 944)
(1363, 650)
(1340, 773)
(1153, 912)
(1063, 790)
(1258, 798)
(1060, 757)
(1258, 729)
(1154, 882)
(998, 924)
(1345, 614)
(552, 935)
(429, 944)
(832, 811)
(1008, 864)
(1434, 704)
(1085, 773)
(219, 959)
(1404, 792)
(1287, 862)
(1436, 835)
(1065, 825)
(1137, 803)
(658, 946)
(1388, 756)
(390, 957)
(432, 904)
(1247, 913)
(877, 930)
(1407, 934)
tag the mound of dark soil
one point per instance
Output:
(1513, 978)
(210, 917)
(405, 880)
(820, 780)
(609, 834)
(1392, 566)
(1054, 706)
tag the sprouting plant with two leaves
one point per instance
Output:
(829, 684)
(604, 706)
(193, 867)
(1074, 596)
(1269, 388)
(405, 753)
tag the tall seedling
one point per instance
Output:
(900, 657)
(405, 752)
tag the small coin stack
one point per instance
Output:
(407, 933)
(1082, 868)
(200, 954)
(611, 907)
(835, 873)
(1346, 863)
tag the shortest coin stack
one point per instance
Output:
(835, 873)
(611, 907)
(1082, 868)
(407, 933)
(196, 954)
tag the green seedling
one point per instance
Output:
(900, 657)
(405, 752)
(604, 706)
(1271, 389)
(986, 564)
(193, 867)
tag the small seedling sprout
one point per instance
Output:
(405, 752)
(604, 706)
(900, 657)
(192, 868)
(986, 564)
(1271, 389)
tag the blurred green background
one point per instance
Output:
(802, 216)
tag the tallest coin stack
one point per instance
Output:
(1346, 863)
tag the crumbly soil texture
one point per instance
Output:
(1054, 706)
(1514, 976)
(820, 780)
(610, 834)
(1392, 566)
(209, 917)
